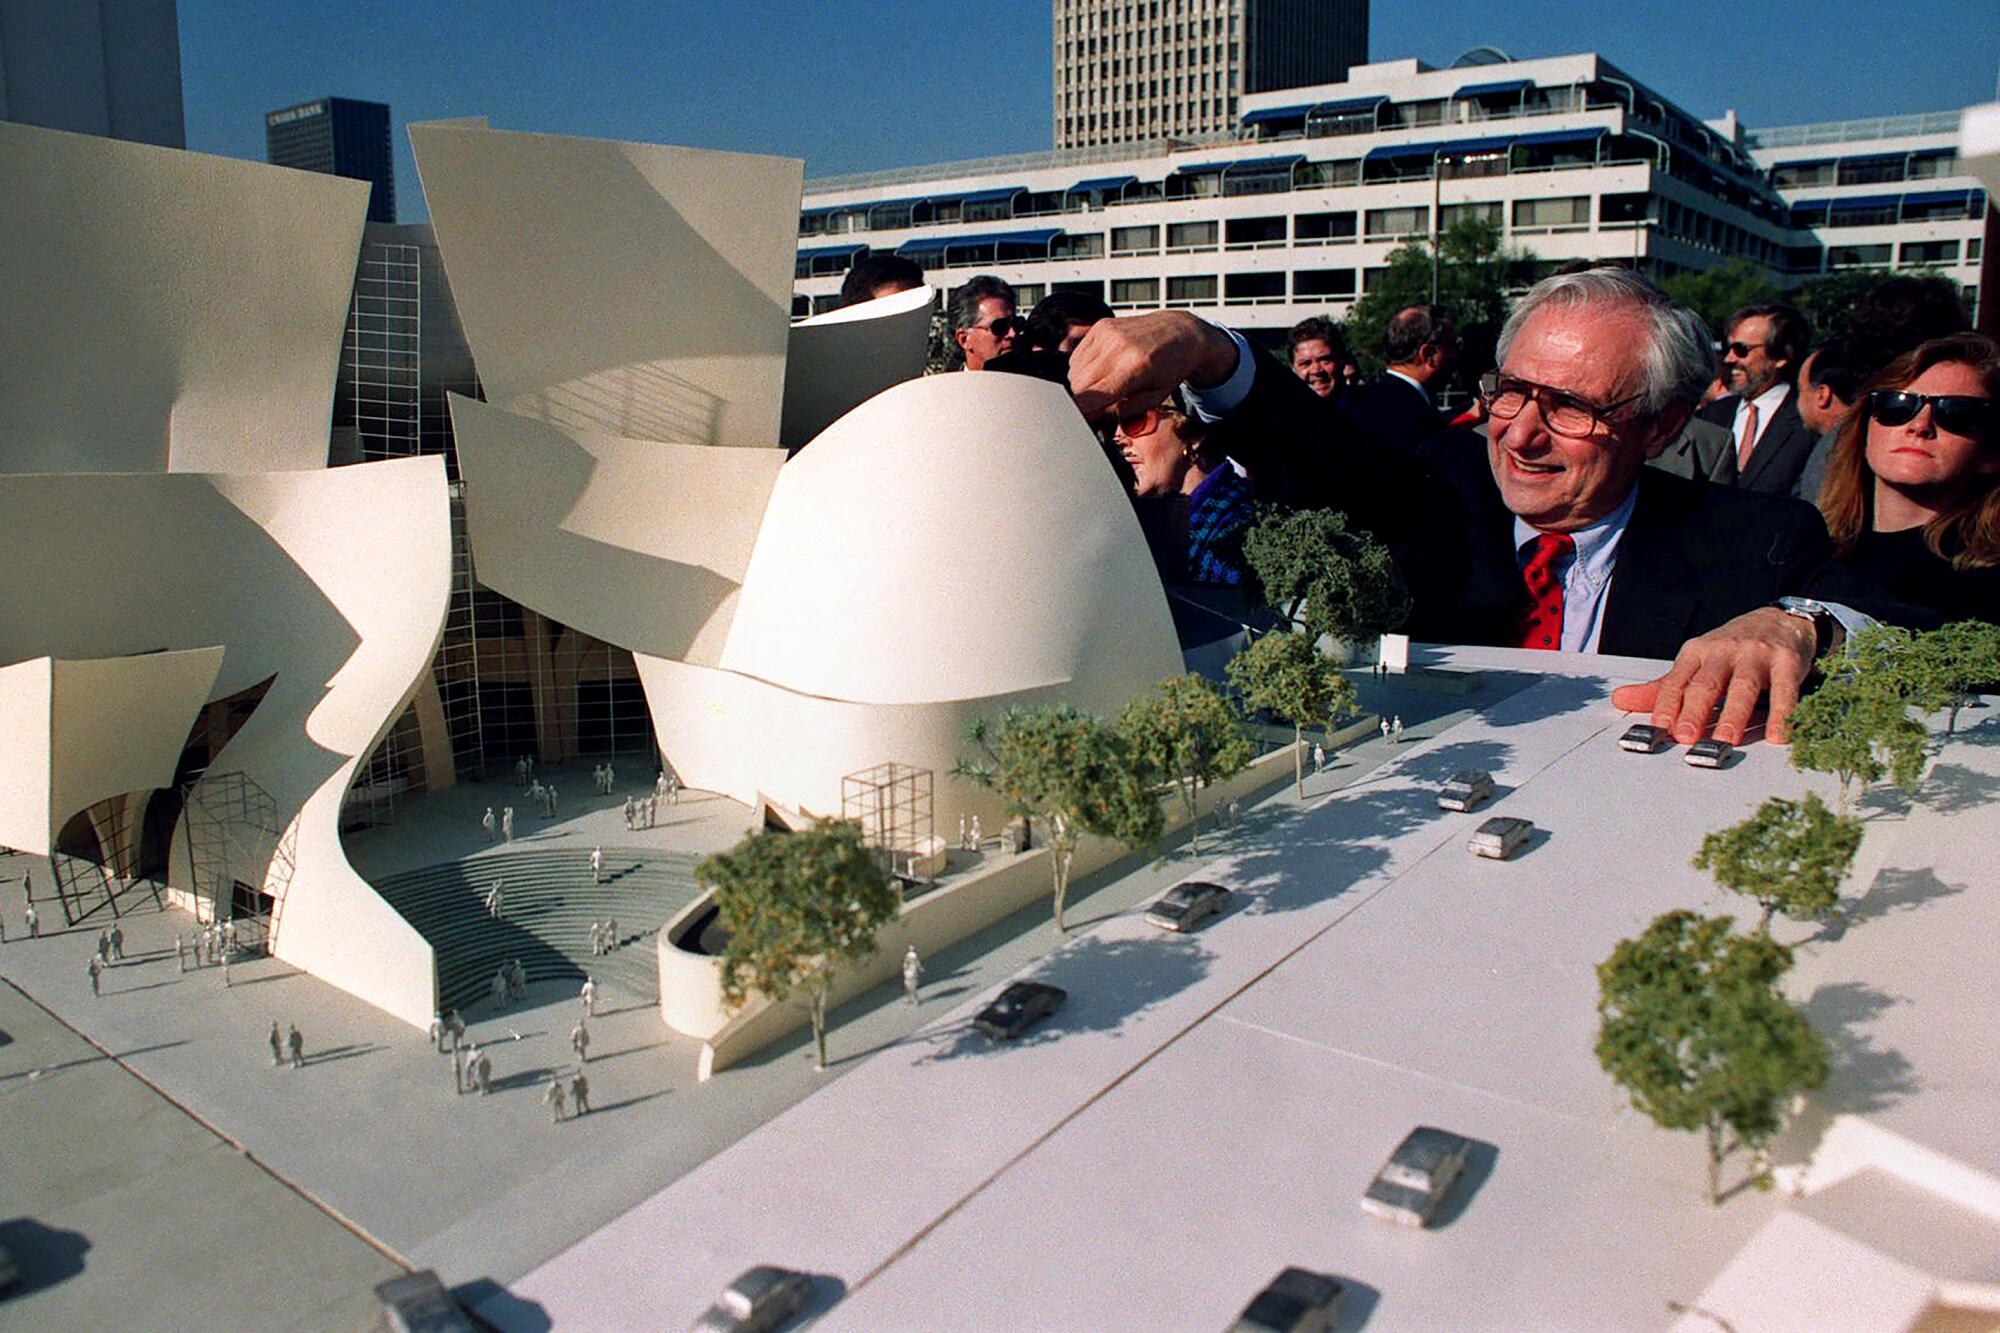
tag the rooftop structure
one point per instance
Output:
(1127, 72)
(340, 137)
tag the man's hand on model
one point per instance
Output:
(1125, 366)
(1760, 653)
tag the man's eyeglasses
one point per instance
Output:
(1005, 325)
(1505, 396)
(1960, 414)
(1740, 350)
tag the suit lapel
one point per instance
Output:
(1779, 445)
(1653, 591)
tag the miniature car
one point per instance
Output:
(762, 1298)
(1413, 1182)
(1709, 753)
(1466, 791)
(419, 1303)
(1500, 837)
(1186, 906)
(1297, 1301)
(1018, 1008)
(1643, 739)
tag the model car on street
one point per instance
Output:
(1186, 906)
(1414, 1181)
(1709, 753)
(1643, 739)
(762, 1298)
(1019, 1007)
(1500, 837)
(1297, 1301)
(1466, 791)
(419, 1303)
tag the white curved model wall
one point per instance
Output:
(333, 583)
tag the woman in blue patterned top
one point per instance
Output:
(1208, 501)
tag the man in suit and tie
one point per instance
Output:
(1551, 532)
(1398, 410)
(1763, 346)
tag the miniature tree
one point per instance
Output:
(1320, 574)
(1945, 666)
(1286, 675)
(1186, 730)
(1070, 771)
(1790, 856)
(1857, 727)
(1696, 1032)
(796, 906)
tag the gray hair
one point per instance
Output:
(966, 300)
(1679, 358)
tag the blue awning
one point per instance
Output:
(1559, 137)
(830, 251)
(1394, 151)
(1803, 163)
(1866, 202)
(1489, 145)
(1254, 165)
(1039, 236)
(1874, 157)
(1938, 197)
(1101, 183)
(984, 196)
(1269, 114)
(1493, 89)
(1192, 168)
(1351, 104)
(928, 245)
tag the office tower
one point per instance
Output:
(109, 67)
(1154, 69)
(341, 137)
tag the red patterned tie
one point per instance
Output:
(1541, 623)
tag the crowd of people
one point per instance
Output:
(1740, 507)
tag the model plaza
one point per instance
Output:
(309, 1004)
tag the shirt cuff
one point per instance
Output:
(1217, 403)
(1852, 622)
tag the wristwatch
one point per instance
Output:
(1829, 633)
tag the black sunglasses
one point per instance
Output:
(1961, 414)
(1741, 350)
(1005, 325)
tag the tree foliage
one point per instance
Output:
(1321, 574)
(1857, 727)
(1186, 731)
(1285, 675)
(1948, 665)
(1476, 275)
(1070, 772)
(1790, 856)
(796, 906)
(1716, 293)
(1693, 1027)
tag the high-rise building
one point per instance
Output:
(109, 67)
(340, 137)
(1156, 69)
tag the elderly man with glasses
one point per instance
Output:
(983, 321)
(1554, 535)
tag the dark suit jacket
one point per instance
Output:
(1395, 413)
(1781, 451)
(1694, 556)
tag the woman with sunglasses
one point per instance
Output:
(1208, 501)
(1912, 493)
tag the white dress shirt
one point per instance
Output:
(1585, 573)
(1768, 403)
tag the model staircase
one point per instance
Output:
(548, 906)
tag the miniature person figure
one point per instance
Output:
(552, 802)
(437, 1033)
(521, 772)
(96, 970)
(579, 1041)
(596, 865)
(590, 997)
(519, 981)
(673, 789)
(461, 1072)
(611, 934)
(482, 1071)
(118, 943)
(579, 1093)
(1396, 728)
(1235, 811)
(454, 1027)
(486, 822)
(1385, 728)
(1319, 758)
(277, 1046)
(552, 1097)
(34, 923)
(103, 946)
(977, 840)
(295, 1044)
(498, 989)
(535, 792)
(507, 824)
(913, 973)
(180, 954)
(596, 939)
(962, 843)
(630, 806)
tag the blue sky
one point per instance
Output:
(873, 83)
